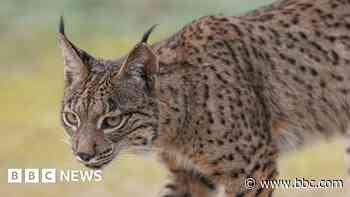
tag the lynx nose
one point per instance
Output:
(84, 156)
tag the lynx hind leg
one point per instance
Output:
(252, 179)
(251, 186)
(188, 184)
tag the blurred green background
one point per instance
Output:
(31, 89)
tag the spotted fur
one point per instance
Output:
(222, 98)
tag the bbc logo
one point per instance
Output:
(50, 175)
(31, 175)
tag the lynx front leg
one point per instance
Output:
(186, 182)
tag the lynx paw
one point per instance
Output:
(172, 190)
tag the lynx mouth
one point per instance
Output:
(101, 160)
(98, 166)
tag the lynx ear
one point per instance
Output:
(142, 56)
(74, 70)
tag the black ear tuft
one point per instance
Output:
(61, 26)
(147, 33)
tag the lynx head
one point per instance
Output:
(109, 106)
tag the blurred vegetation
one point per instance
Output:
(31, 89)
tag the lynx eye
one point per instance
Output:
(112, 123)
(71, 119)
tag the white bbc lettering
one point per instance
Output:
(65, 175)
(98, 175)
(51, 175)
(86, 175)
(74, 175)
(48, 175)
(31, 175)
(14, 175)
